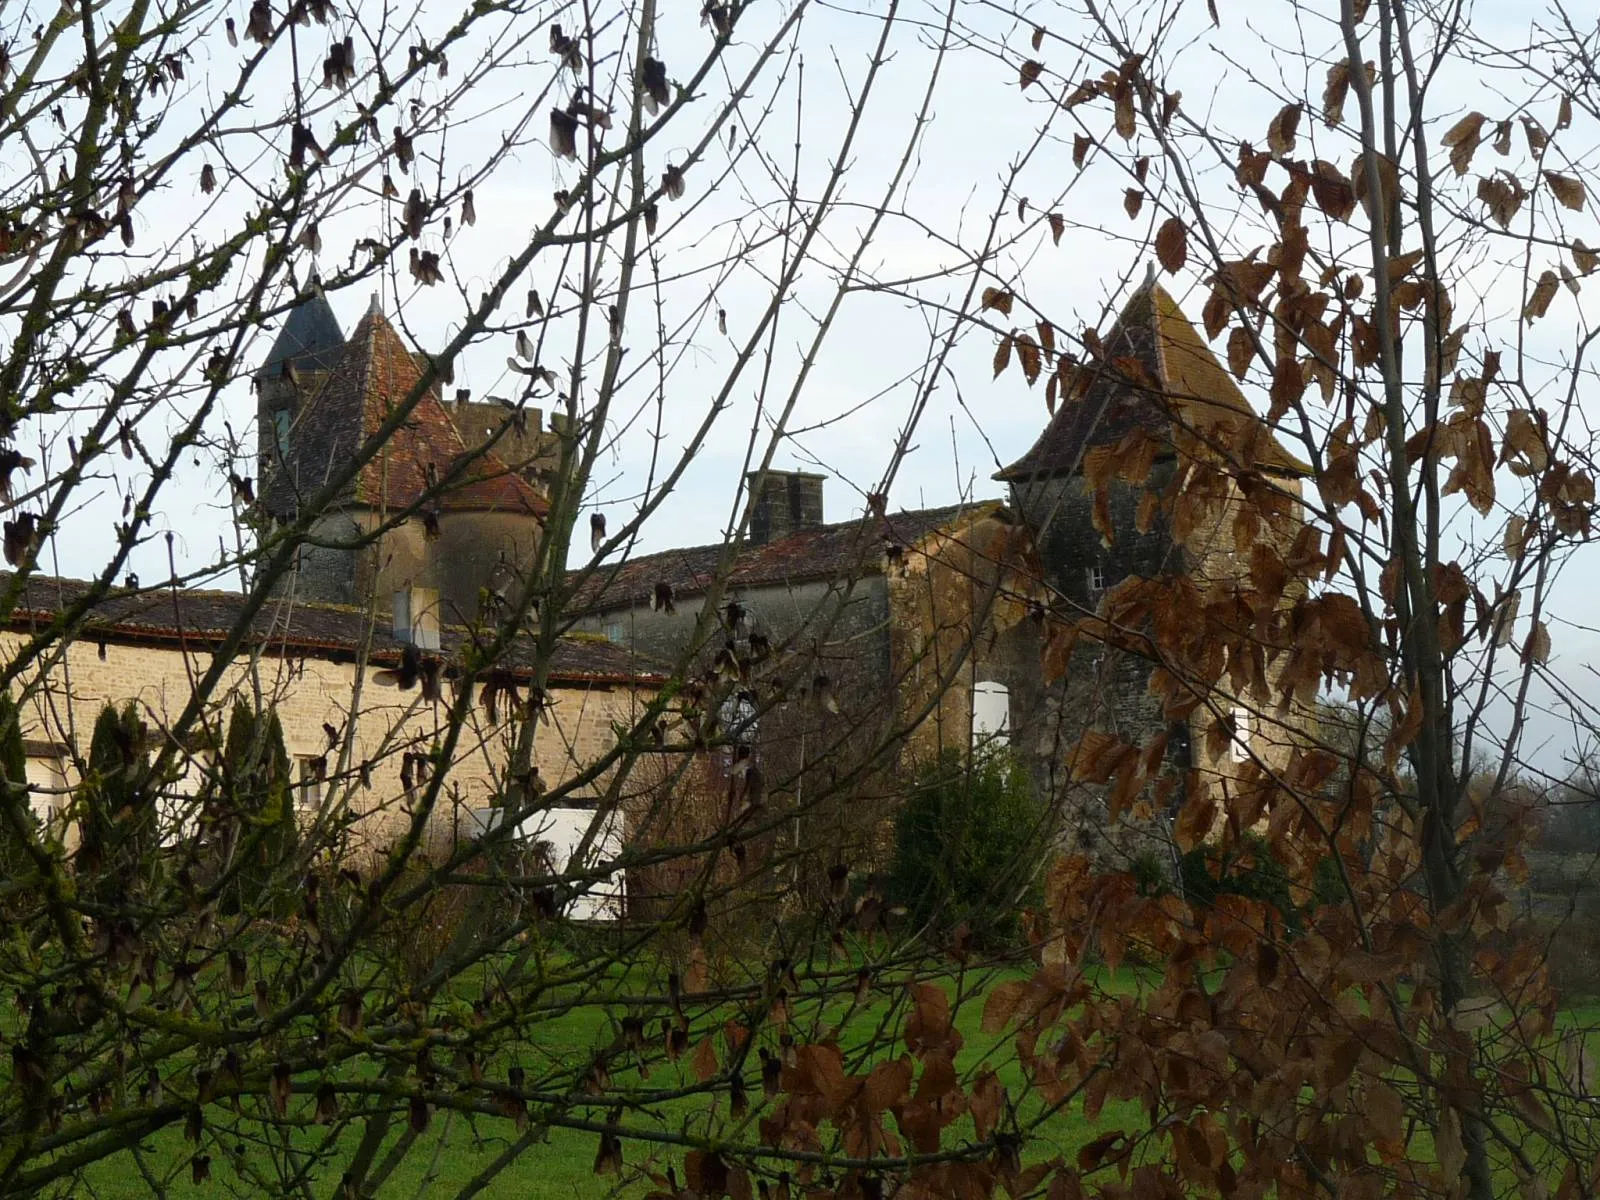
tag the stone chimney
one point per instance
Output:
(787, 502)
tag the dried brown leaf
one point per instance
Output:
(1388, 184)
(1537, 648)
(1463, 138)
(1502, 194)
(1538, 139)
(1543, 292)
(1132, 201)
(1002, 356)
(1516, 537)
(1028, 356)
(704, 1062)
(1332, 191)
(1334, 93)
(1172, 244)
(999, 299)
(1122, 96)
(1281, 132)
(1566, 189)
(1029, 73)
(1241, 349)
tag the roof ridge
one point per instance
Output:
(826, 527)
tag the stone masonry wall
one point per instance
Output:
(306, 692)
(1103, 689)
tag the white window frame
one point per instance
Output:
(1096, 576)
(46, 804)
(310, 783)
(984, 734)
(1239, 748)
(178, 817)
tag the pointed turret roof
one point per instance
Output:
(1183, 385)
(374, 373)
(310, 338)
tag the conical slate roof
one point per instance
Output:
(310, 338)
(374, 373)
(1184, 386)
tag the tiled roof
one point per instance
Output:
(1186, 386)
(826, 552)
(200, 617)
(374, 373)
(310, 339)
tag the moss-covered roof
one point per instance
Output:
(1174, 383)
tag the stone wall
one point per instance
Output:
(846, 628)
(473, 551)
(1108, 691)
(956, 605)
(59, 715)
(1103, 689)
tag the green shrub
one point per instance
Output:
(969, 841)
(253, 809)
(117, 834)
(14, 860)
(1248, 869)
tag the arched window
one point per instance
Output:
(991, 713)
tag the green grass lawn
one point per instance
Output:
(560, 1167)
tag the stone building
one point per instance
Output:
(850, 653)
(391, 571)
(320, 397)
(934, 621)
(1155, 377)
(320, 668)
(878, 606)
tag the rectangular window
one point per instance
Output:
(1097, 579)
(313, 776)
(47, 787)
(991, 713)
(280, 430)
(1240, 750)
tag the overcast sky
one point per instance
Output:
(867, 377)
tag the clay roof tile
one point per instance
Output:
(372, 376)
